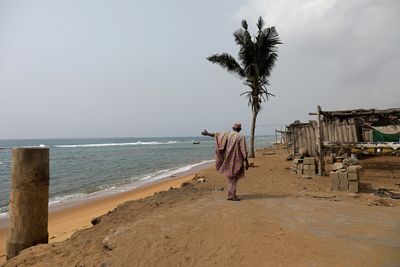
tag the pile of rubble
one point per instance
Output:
(306, 166)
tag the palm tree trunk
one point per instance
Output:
(253, 129)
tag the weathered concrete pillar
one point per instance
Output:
(29, 199)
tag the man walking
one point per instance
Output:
(230, 156)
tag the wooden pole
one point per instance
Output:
(29, 199)
(319, 141)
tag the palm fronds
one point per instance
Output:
(257, 56)
(227, 62)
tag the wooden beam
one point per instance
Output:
(319, 141)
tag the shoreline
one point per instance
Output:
(67, 218)
(55, 205)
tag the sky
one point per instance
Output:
(96, 68)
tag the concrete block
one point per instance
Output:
(312, 167)
(299, 171)
(353, 169)
(353, 186)
(334, 175)
(309, 160)
(342, 175)
(334, 183)
(300, 166)
(352, 176)
(297, 161)
(306, 167)
(343, 183)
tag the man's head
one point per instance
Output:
(237, 127)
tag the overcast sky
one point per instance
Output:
(138, 68)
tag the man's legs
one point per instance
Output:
(232, 183)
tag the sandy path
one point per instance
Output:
(260, 231)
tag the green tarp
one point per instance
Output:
(383, 137)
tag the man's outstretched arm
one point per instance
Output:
(206, 133)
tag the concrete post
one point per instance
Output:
(29, 199)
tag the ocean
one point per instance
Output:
(85, 168)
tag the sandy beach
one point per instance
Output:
(67, 220)
(282, 220)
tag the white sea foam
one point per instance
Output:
(4, 215)
(132, 183)
(114, 189)
(168, 172)
(41, 145)
(63, 199)
(118, 144)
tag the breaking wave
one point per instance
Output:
(119, 144)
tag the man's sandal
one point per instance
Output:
(233, 198)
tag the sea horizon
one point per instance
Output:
(116, 137)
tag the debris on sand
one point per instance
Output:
(383, 192)
(95, 221)
(201, 180)
(379, 202)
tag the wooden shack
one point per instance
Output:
(339, 131)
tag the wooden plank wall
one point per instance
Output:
(304, 135)
(339, 131)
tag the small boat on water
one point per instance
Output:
(196, 142)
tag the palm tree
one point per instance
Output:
(257, 57)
